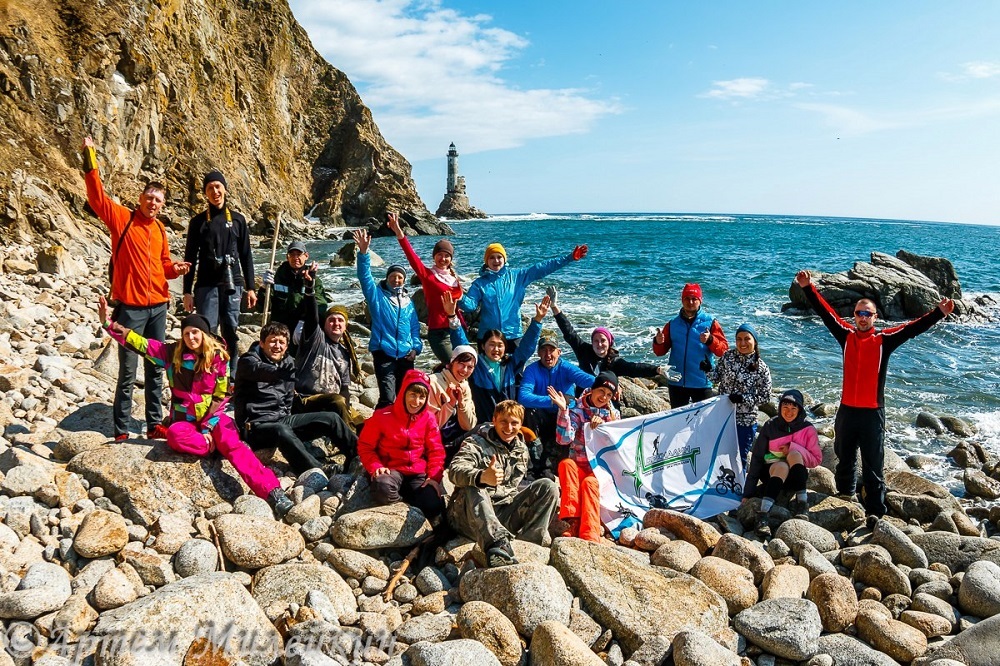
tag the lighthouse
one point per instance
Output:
(452, 186)
(455, 204)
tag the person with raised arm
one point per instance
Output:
(860, 420)
(499, 291)
(395, 340)
(691, 338)
(140, 267)
(198, 373)
(436, 281)
(288, 287)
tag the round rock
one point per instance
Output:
(100, 533)
(979, 592)
(482, 622)
(196, 556)
(788, 628)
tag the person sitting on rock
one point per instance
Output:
(451, 398)
(264, 397)
(499, 291)
(395, 341)
(580, 503)
(495, 377)
(598, 354)
(550, 371)
(400, 447)
(326, 361)
(198, 374)
(487, 505)
(786, 447)
(437, 280)
(288, 290)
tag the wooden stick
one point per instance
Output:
(267, 290)
(412, 555)
(218, 547)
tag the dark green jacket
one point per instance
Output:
(287, 297)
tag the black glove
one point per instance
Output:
(735, 398)
(705, 365)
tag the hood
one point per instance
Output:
(800, 422)
(409, 379)
(487, 272)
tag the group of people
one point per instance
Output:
(486, 416)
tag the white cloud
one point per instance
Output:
(981, 69)
(433, 75)
(744, 88)
(849, 121)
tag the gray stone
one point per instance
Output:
(637, 602)
(253, 543)
(896, 639)
(352, 564)
(44, 588)
(900, 546)
(693, 648)
(795, 531)
(26, 479)
(848, 651)
(196, 556)
(788, 628)
(274, 588)
(320, 602)
(114, 589)
(527, 593)
(927, 603)
(957, 552)
(677, 555)
(978, 645)
(553, 644)
(814, 561)
(426, 627)
(875, 570)
(979, 592)
(393, 526)
(316, 528)
(462, 652)
(430, 580)
(185, 610)
(251, 505)
(483, 622)
(748, 554)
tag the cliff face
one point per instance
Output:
(170, 89)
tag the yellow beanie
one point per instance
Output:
(493, 248)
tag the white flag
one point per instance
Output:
(686, 459)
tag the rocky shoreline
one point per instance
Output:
(117, 554)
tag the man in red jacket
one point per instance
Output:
(140, 256)
(860, 422)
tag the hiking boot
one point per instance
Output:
(157, 432)
(799, 509)
(572, 527)
(500, 554)
(847, 497)
(763, 525)
(280, 502)
(332, 469)
(121, 437)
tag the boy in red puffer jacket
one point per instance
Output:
(400, 447)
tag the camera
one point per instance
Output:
(226, 264)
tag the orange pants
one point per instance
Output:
(580, 497)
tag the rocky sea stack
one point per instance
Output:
(169, 91)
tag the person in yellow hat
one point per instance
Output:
(499, 290)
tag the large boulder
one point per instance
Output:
(146, 481)
(44, 588)
(957, 552)
(788, 628)
(274, 588)
(209, 605)
(251, 542)
(528, 593)
(979, 592)
(485, 623)
(637, 602)
(393, 526)
(978, 645)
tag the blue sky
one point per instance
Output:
(862, 109)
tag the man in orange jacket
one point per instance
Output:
(141, 265)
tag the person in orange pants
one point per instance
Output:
(580, 500)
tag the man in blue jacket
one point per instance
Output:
(548, 370)
(395, 340)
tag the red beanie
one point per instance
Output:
(692, 290)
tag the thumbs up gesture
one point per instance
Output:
(493, 474)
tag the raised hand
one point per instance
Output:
(393, 224)
(551, 292)
(803, 279)
(88, 142)
(102, 310)
(579, 252)
(661, 336)
(542, 309)
(705, 335)
(363, 240)
(308, 275)
(454, 394)
(448, 304)
(493, 474)
(947, 306)
(558, 398)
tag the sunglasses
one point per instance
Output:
(866, 314)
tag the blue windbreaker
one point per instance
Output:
(395, 327)
(537, 379)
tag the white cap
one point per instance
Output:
(464, 349)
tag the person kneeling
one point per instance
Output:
(580, 504)
(486, 505)
(400, 447)
(786, 447)
(263, 399)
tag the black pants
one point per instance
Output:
(389, 372)
(546, 452)
(680, 396)
(395, 486)
(150, 323)
(289, 432)
(861, 429)
(221, 309)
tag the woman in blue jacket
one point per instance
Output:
(395, 340)
(499, 291)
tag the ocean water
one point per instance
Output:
(632, 278)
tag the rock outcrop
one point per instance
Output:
(170, 90)
(902, 287)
